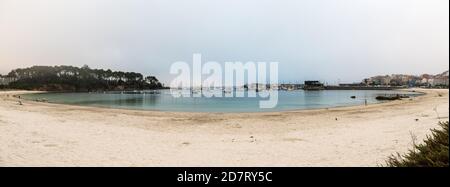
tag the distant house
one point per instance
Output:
(424, 80)
(379, 80)
(436, 81)
(313, 85)
(439, 81)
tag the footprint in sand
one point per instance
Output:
(50, 145)
(293, 139)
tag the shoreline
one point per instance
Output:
(47, 134)
(197, 112)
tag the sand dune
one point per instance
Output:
(42, 134)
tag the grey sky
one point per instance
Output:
(329, 40)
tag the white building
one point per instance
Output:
(439, 82)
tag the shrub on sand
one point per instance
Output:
(432, 153)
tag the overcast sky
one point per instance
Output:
(328, 40)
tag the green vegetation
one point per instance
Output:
(69, 78)
(432, 153)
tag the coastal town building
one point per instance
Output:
(379, 80)
(313, 85)
(424, 80)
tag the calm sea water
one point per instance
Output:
(164, 101)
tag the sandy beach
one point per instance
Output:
(43, 134)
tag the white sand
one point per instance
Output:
(41, 134)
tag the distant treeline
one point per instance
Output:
(70, 78)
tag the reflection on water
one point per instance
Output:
(163, 100)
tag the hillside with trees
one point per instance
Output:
(70, 78)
